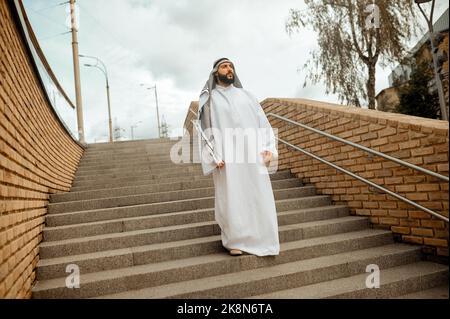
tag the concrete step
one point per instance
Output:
(196, 246)
(130, 238)
(157, 177)
(143, 145)
(289, 251)
(439, 292)
(130, 150)
(86, 216)
(140, 183)
(139, 199)
(143, 152)
(128, 163)
(105, 169)
(106, 175)
(223, 276)
(180, 218)
(161, 154)
(149, 149)
(154, 188)
(134, 177)
(394, 282)
(128, 145)
(121, 144)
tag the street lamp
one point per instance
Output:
(105, 73)
(133, 126)
(157, 108)
(434, 50)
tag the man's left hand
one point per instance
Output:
(267, 156)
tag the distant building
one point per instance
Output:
(388, 98)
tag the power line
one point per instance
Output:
(54, 36)
(51, 7)
(100, 24)
(49, 19)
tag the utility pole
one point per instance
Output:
(76, 69)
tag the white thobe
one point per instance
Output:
(244, 201)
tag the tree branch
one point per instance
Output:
(355, 41)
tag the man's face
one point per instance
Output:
(225, 72)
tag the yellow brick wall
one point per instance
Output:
(37, 157)
(420, 141)
(190, 116)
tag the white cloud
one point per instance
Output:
(173, 44)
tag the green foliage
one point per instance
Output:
(415, 97)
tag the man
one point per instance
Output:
(244, 202)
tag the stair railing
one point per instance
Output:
(362, 179)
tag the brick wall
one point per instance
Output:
(37, 157)
(420, 141)
(190, 116)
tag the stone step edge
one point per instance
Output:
(303, 225)
(366, 234)
(118, 189)
(173, 201)
(306, 187)
(152, 184)
(273, 272)
(181, 213)
(393, 248)
(344, 287)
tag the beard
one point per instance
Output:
(225, 78)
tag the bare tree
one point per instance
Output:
(353, 35)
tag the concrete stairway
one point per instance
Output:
(139, 226)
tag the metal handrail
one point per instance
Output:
(362, 179)
(393, 159)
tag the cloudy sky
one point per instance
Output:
(173, 44)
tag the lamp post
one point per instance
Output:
(76, 69)
(437, 76)
(105, 73)
(157, 108)
(133, 126)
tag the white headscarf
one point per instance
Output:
(204, 105)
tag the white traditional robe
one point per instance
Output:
(244, 201)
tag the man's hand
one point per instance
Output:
(221, 164)
(267, 156)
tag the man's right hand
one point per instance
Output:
(220, 164)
